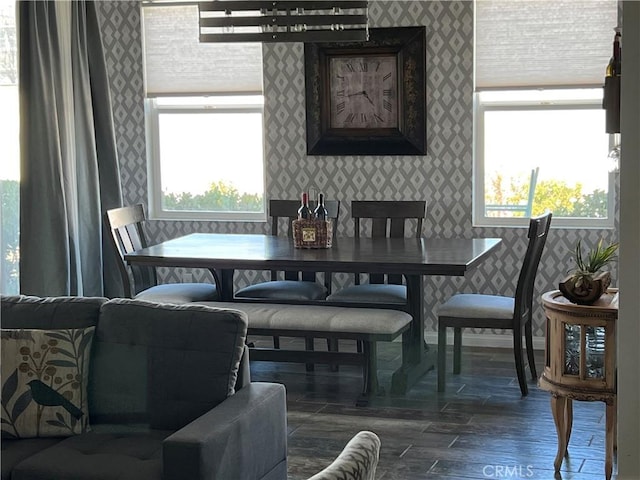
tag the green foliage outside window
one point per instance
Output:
(220, 197)
(9, 264)
(556, 196)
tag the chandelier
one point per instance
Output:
(283, 21)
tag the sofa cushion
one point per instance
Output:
(103, 456)
(163, 364)
(14, 451)
(48, 313)
(44, 382)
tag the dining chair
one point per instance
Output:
(292, 285)
(127, 235)
(295, 286)
(387, 219)
(357, 461)
(473, 310)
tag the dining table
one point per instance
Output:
(414, 258)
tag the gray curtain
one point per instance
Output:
(69, 167)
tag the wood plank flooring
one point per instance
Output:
(480, 428)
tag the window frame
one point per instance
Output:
(153, 110)
(479, 217)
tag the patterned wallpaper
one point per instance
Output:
(443, 177)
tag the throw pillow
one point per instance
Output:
(44, 382)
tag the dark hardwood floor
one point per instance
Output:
(480, 428)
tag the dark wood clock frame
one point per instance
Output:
(409, 138)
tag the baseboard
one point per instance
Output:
(483, 340)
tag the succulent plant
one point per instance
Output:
(587, 267)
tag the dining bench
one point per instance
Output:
(366, 325)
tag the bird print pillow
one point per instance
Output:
(44, 382)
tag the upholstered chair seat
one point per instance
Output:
(179, 293)
(371, 292)
(284, 290)
(473, 305)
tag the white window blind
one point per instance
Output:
(176, 63)
(543, 43)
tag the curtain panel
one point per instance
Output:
(69, 167)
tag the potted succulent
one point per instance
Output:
(587, 282)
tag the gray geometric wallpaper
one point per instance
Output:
(443, 177)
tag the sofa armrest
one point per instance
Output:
(243, 437)
(244, 372)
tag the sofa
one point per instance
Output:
(168, 396)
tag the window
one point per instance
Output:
(539, 126)
(10, 171)
(542, 150)
(204, 114)
(206, 157)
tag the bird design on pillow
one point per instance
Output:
(44, 395)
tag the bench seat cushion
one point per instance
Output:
(319, 318)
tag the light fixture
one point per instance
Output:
(283, 21)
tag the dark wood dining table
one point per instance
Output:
(412, 257)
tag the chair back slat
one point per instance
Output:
(288, 209)
(397, 227)
(538, 232)
(127, 235)
(378, 227)
(387, 219)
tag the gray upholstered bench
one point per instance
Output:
(367, 325)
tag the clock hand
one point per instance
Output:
(367, 97)
(357, 93)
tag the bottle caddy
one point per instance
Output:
(312, 229)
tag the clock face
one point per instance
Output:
(363, 91)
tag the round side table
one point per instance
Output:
(580, 363)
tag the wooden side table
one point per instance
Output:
(580, 363)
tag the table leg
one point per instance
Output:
(415, 359)
(370, 386)
(610, 438)
(225, 289)
(568, 413)
(561, 412)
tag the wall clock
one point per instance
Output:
(367, 98)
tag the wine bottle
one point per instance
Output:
(320, 212)
(614, 68)
(304, 212)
